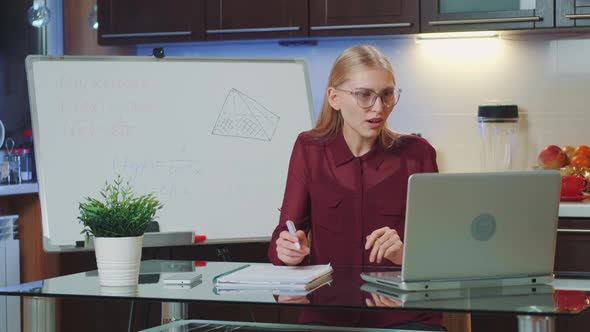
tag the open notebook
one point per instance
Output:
(268, 276)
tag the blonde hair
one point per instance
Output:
(353, 59)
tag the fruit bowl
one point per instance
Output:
(575, 171)
(567, 159)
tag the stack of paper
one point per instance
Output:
(268, 276)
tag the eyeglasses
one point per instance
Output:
(366, 98)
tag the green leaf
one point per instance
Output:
(120, 213)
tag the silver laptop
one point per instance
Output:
(477, 230)
(460, 295)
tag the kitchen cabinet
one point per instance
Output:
(363, 17)
(573, 246)
(571, 260)
(572, 13)
(148, 21)
(254, 19)
(155, 21)
(571, 257)
(468, 15)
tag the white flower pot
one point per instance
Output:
(119, 290)
(118, 260)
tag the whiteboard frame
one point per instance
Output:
(162, 239)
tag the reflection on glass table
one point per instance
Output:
(204, 325)
(346, 291)
(522, 299)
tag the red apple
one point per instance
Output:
(552, 157)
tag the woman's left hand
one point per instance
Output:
(382, 301)
(385, 243)
(293, 299)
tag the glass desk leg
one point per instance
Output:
(173, 311)
(536, 324)
(38, 314)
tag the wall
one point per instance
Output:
(18, 39)
(444, 81)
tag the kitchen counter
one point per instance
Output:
(575, 209)
(19, 189)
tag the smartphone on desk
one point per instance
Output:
(183, 286)
(187, 278)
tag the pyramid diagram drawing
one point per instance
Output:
(242, 116)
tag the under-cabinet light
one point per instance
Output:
(458, 35)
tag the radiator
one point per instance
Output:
(9, 273)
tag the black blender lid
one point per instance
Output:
(497, 111)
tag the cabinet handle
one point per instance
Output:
(147, 34)
(276, 29)
(361, 26)
(573, 230)
(578, 16)
(487, 20)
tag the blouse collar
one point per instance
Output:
(342, 154)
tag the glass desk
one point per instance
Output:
(536, 307)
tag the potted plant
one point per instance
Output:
(118, 223)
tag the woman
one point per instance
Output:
(347, 178)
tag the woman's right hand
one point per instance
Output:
(286, 250)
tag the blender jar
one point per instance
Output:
(498, 132)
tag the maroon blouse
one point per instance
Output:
(342, 199)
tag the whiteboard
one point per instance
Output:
(211, 138)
